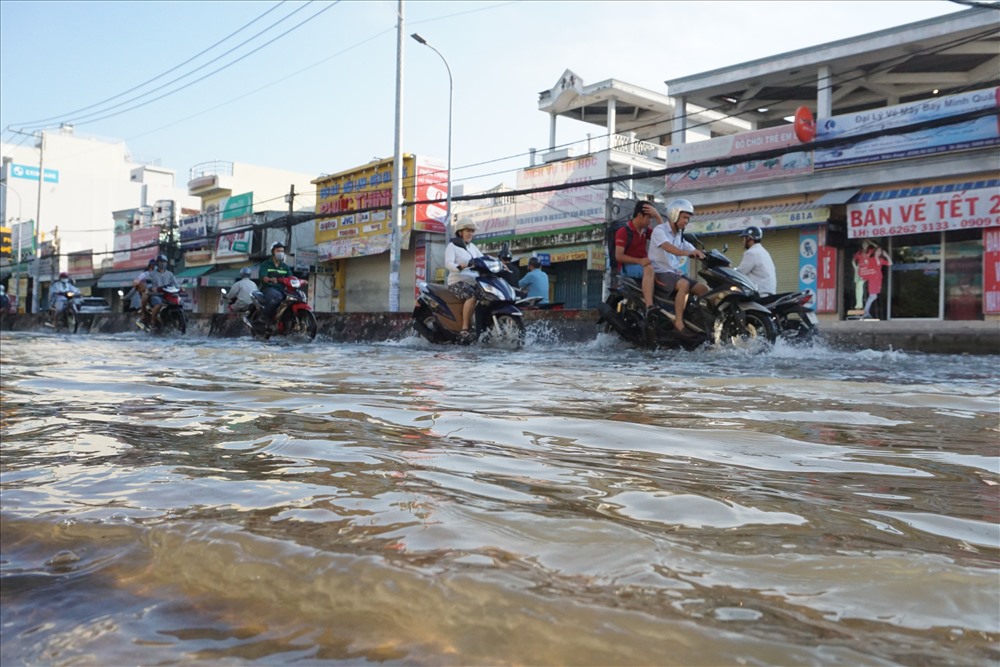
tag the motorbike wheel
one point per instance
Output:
(304, 325)
(759, 326)
(507, 332)
(425, 324)
(71, 320)
(173, 320)
(797, 331)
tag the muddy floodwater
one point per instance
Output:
(203, 501)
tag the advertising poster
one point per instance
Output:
(808, 264)
(496, 216)
(991, 271)
(133, 250)
(562, 209)
(765, 221)
(722, 148)
(432, 185)
(80, 265)
(826, 280)
(234, 246)
(193, 232)
(964, 135)
(974, 208)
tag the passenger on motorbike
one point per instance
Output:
(136, 297)
(57, 295)
(240, 296)
(757, 263)
(461, 279)
(666, 247)
(270, 271)
(158, 279)
(631, 253)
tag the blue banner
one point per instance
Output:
(24, 171)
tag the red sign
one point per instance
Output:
(968, 209)
(826, 280)
(991, 271)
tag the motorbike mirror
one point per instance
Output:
(505, 252)
(694, 240)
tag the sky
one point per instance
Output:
(321, 99)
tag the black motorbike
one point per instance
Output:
(797, 323)
(728, 314)
(437, 315)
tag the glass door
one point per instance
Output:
(916, 277)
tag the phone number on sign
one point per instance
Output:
(924, 227)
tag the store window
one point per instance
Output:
(916, 276)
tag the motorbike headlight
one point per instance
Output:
(494, 292)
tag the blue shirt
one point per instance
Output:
(537, 284)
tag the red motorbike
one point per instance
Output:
(293, 318)
(171, 318)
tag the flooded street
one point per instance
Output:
(219, 501)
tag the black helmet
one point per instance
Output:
(753, 233)
(277, 244)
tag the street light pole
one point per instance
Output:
(397, 173)
(451, 88)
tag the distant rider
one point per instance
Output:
(270, 271)
(240, 296)
(57, 295)
(757, 263)
(159, 279)
(666, 248)
(461, 279)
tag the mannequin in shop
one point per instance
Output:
(869, 262)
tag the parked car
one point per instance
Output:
(93, 305)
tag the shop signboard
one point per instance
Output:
(237, 206)
(561, 209)
(22, 236)
(193, 231)
(764, 219)
(991, 271)
(708, 175)
(494, 216)
(923, 210)
(974, 133)
(826, 279)
(133, 250)
(349, 228)
(81, 265)
(235, 235)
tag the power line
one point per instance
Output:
(172, 69)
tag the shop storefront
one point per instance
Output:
(936, 238)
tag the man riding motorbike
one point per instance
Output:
(270, 271)
(159, 279)
(57, 296)
(666, 247)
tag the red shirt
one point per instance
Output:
(640, 240)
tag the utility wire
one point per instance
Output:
(172, 69)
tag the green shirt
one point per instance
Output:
(269, 270)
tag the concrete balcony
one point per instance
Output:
(209, 179)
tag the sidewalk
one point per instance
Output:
(955, 337)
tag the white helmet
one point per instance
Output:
(676, 207)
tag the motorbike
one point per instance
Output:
(437, 315)
(728, 314)
(170, 318)
(293, 318)
(70, 315)
(797, 323)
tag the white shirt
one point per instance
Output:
(663, 261)
(453, 256)
(242, 292)
(759, 267)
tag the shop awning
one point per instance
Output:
(836, 197)
(221, 278)
(86, 282)
(789, 215)
(117, 279)
(189, 276)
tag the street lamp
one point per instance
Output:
(423, 41)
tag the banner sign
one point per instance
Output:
(826, 279)
(237, 206)
(81, 264)
(31, 173)
(432, 184)
(493, 217)
(973, 208)
(975, 133)
(193, 231)
(721, 148)
(562, 209)
(991, 271)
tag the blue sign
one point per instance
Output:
(24, 171)
(544, 258)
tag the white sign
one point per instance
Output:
(968, 209)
